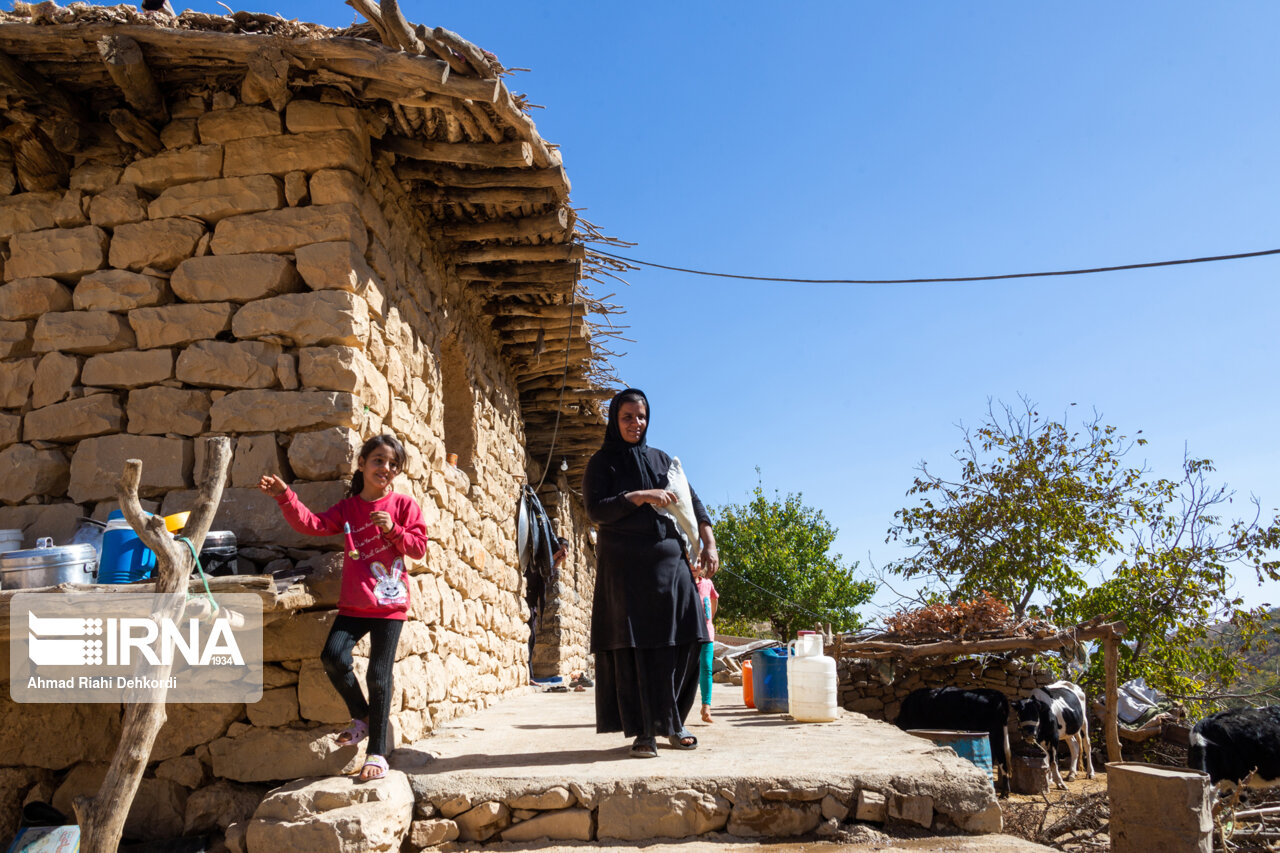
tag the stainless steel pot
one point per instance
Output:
(48, 565)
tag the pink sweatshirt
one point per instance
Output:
(374, 584)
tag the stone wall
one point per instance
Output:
(262, 277)
(877, 688)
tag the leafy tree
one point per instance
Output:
(1038, 510)
(1174, 588)
(1033, 507)
(778, 567)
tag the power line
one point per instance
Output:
(775, 595)
(953, 279)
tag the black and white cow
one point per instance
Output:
(1053, 713)
(956, 709)
(1230, 745)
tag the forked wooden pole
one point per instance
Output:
(102, 816)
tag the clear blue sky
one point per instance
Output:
(874, 140)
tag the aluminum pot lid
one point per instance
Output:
(53, 555)
(219, 539)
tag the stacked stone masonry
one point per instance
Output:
(877, 688)
(263, 277)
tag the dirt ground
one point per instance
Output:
(1082, 805)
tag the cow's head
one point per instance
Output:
(1035, 721)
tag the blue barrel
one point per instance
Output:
(124, 558)
(972, 746)
(769, 680)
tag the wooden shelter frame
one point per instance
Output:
(1109, 633)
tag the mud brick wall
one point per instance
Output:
(876, 689)
(262, 277)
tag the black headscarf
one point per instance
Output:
(630, 457)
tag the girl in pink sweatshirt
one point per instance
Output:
(381, 528)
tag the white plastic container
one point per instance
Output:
(812, 693)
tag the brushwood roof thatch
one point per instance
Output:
(492, 193)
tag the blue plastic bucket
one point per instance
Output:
(124, 558)
(769, 680)
(972, 746)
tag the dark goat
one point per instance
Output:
(1231, 745)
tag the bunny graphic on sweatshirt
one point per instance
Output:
(390, 589)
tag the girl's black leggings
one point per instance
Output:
(384, 635)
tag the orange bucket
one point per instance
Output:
(747, 688)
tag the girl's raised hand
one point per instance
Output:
(272, 485)
(382, 519)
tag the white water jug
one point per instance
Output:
(812, 692)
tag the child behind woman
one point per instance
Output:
(381, 528)
(709, 601)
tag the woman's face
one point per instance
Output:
(632, 420)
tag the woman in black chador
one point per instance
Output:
(645, 623)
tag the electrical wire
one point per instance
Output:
(953, 279)
(826, 618)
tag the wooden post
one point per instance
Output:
(1112, 722)
(102, 816)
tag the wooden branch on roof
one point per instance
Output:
(552, 395)
(953, 648)
(381, 90)
(135, 131)
(451, 176)
(397, 26)
(530, 372)
(509, 308)
(503, 196)
(442, 50)
(529, 349)
(473, 54)
(483, 121)
(128, 68)
(554, 224)
(374, 16)
(527, 289)
(548, 271)
(497, 253)
(525, 330)
(489, 154)
(505, 106)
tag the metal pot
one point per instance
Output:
(47, 565)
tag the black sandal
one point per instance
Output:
(644, 747)
(678, 741)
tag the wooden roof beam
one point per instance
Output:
(567, 271)
(487, 154)
(128, 68)
(507, 324)
(451, 176)
(499, 252)
(557, 223)
(511, 308)
(428, 196)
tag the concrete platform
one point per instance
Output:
(533, 767)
